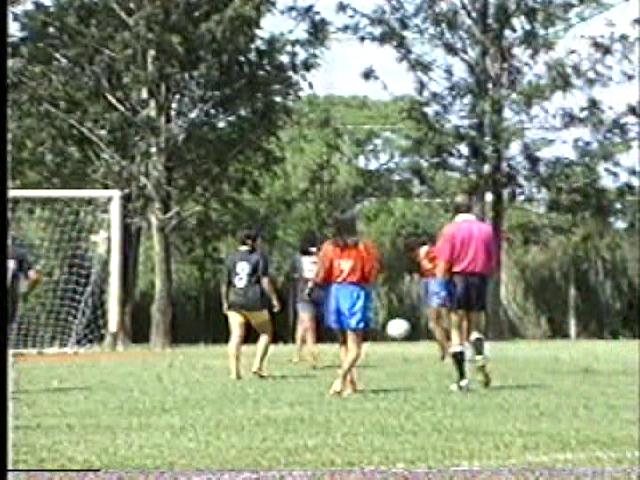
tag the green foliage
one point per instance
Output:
(155, 99)
(554, 404)
(489, 77)
(546, 251)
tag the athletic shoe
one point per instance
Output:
(484, 373)
(259, 373)
(477, 343)
(461, 386)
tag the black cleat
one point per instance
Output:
(484, 373)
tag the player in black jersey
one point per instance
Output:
(22, 276)
(246, 294)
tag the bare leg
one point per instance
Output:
(262, 348)
(436, 323)
(464, 328)
(300, 334)
(353, 351)
(311, 340)
(477, 321)
(458, 318)
(236, 336)
(343, 348)
(343, 359)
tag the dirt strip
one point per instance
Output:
(82, 356)
(479, 473)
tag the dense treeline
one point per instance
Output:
(114, 94)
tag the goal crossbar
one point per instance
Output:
(115, 239)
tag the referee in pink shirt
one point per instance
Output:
(467, 253)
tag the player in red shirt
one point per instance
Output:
(436, 292)
(348, 265)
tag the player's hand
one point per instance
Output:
(309, 290)
(275, 305)
(225, 309)
(34, 278)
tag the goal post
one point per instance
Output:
(40, 214)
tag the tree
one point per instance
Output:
(488, 76)
(154, 98)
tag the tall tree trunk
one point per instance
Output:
(162, 308)
(159, 184)
(572, 321)
(477, 144)
(132, 237)
(499, 323)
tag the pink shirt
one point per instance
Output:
(468, 245)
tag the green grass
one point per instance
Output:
(553, 404)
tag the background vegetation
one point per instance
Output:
(114, 94)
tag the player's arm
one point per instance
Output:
(373, 261)
(443, 254)
(268, 286)
(323, 273)
(267, 283)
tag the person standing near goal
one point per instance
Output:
(349, 266)
(22, 275)
(308, 298)
(466, 252)
(244, 299)
(436, 291)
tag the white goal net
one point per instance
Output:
(73, 239)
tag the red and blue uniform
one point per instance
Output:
(436, 292)
(348, 270)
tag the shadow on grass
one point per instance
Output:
(50, 390)
(336, 366)
(522, 386)
(287, 376)
(385, 391)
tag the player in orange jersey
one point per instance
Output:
(436, 292)
(348, 266)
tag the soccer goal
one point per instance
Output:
(74, 239)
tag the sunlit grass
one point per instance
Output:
(552, 404)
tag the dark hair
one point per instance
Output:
(411, 244)
(309, 240)
(462, 204)
(345, 230)
(248, 237)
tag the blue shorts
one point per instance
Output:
(437, 292)
(310, 307)
(348, 307)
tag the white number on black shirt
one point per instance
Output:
(241, 278)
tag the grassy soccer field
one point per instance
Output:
(552, 404)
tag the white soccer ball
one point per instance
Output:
(398, 328)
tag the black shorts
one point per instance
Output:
(469, 292)
(13, 298)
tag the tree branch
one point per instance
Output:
(83, 130)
